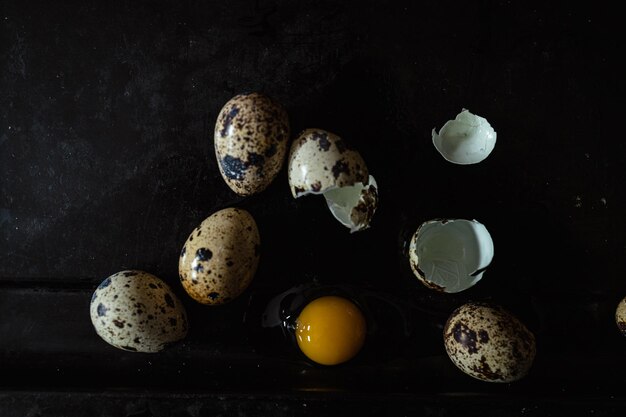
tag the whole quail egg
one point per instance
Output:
(251, 135)
(450, 255)
(220, 257)
(620, 316)
(489, 343)
(468, 139)
(320, 162)
(138, 312)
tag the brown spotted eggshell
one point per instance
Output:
(220, 257)
(620, 316)
(488, 343)
(320, 160)
(251, 135)
(138, 312)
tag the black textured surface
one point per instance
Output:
(107, 163)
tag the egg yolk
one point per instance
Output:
(330, 330)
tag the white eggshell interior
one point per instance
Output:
(468, 139)
(343, 201)
(453, 254)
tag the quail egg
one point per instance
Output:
(220, 257)
(468, 139)
(320, 162)
(450, 255)
(489, 343)
(251, 135)
(138, 312)
(620, 316)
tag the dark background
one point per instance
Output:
(106, 163)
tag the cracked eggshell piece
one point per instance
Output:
(450, 255)
(620, 316)
(489, 343)
(251, 134)
(320, 160)
(468, 139)
(220, 257)
(138, 312)
(354, 205)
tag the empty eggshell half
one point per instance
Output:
(450, 255)
(320, 162)
(468, 139)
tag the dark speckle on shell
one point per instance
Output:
(228, 120)
(340, 167)
(104, 283)
(234, 168)
(169, 300)
(466, 337)
(204, 254)
(322, 140)
(102, 310)
(254, 159)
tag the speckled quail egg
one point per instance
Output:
(450, 255)
(320, 162)
(620, 316)
(251, 135)
(489, 343)
(220, 257)
(468, 139)
(138, 312)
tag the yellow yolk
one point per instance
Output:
(330, 330)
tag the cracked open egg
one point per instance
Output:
(220, 257)
(331, 324)
(450, 255)
(138, 312)
(321, 162)
(468, 139)
(330, 330)
(489, 343)
(251, 135)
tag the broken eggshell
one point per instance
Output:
(468, 139)
(320, 162)
(450, 255)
